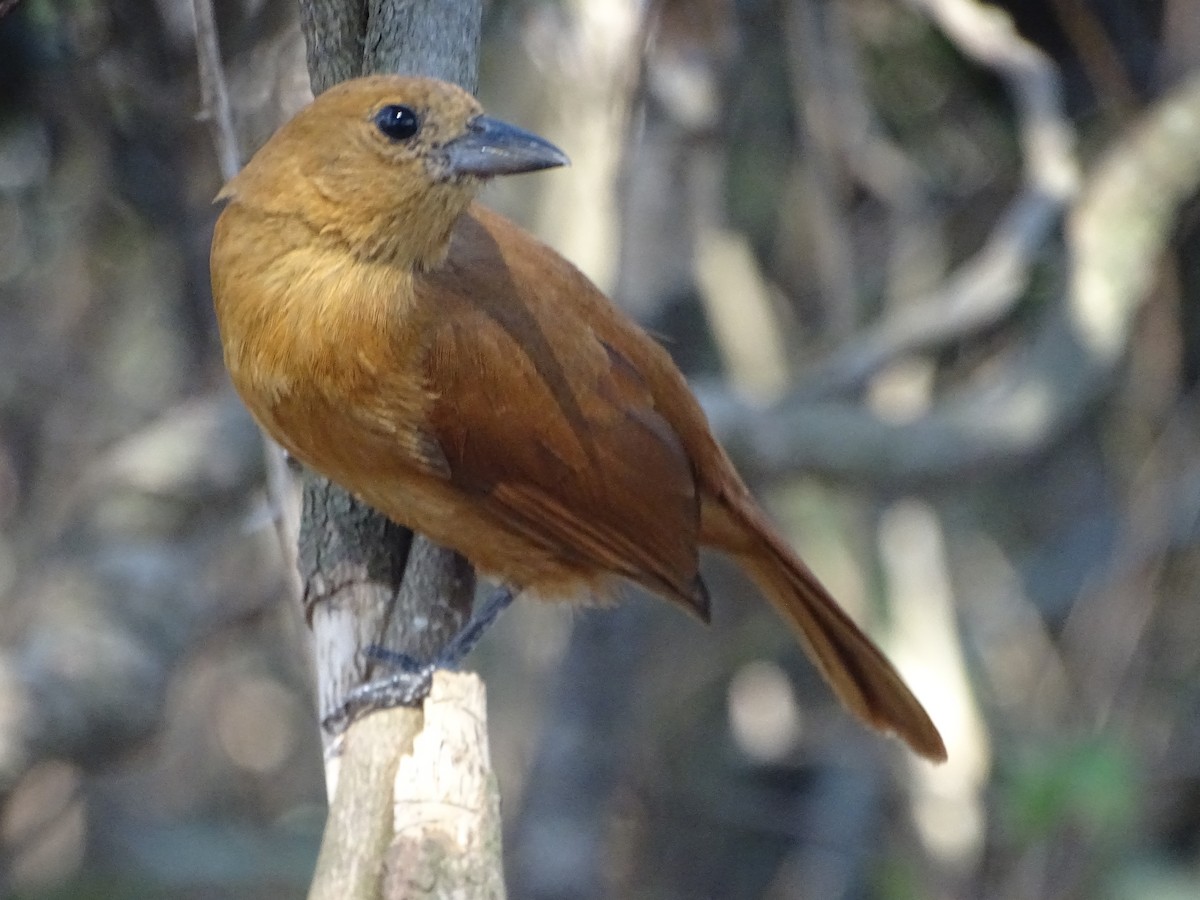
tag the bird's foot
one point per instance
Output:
(409, 682)
(407, 685)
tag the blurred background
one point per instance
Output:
(932, 266)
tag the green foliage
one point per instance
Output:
(1089, 786)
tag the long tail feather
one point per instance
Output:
(856, 670)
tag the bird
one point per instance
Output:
(458, 375)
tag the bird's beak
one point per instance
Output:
(490, 147)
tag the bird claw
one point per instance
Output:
(409, 685)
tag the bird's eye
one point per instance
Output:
(397, 122)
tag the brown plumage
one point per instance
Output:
(464, 379)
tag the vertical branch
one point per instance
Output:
(824, 176)
(560, 846)
(333, 40)
(218, 111)
(213, 91)
(425, 37)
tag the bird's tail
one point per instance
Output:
(860, 675)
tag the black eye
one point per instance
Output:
(397, 122)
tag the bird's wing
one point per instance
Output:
(551, 425)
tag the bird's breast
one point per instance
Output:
(323, 347)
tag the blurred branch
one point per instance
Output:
(7, 6)
(218, 111)
(1106, 627)
(880, 165)
(1180, 52)
(816, 99)
(561, 846)
(988, 286)
(560, 843)
(1115, 233)
(158, 558)
(213, 91)
(1099, 56)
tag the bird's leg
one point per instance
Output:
(464, 642)
(410, 681)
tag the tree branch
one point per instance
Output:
(1115, 234)
(403, 816)
(987, 287)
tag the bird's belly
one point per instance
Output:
(374, 465)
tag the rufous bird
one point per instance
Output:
(464, 379)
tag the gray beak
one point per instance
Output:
(492, 147)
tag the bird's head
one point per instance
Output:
(386, 164)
